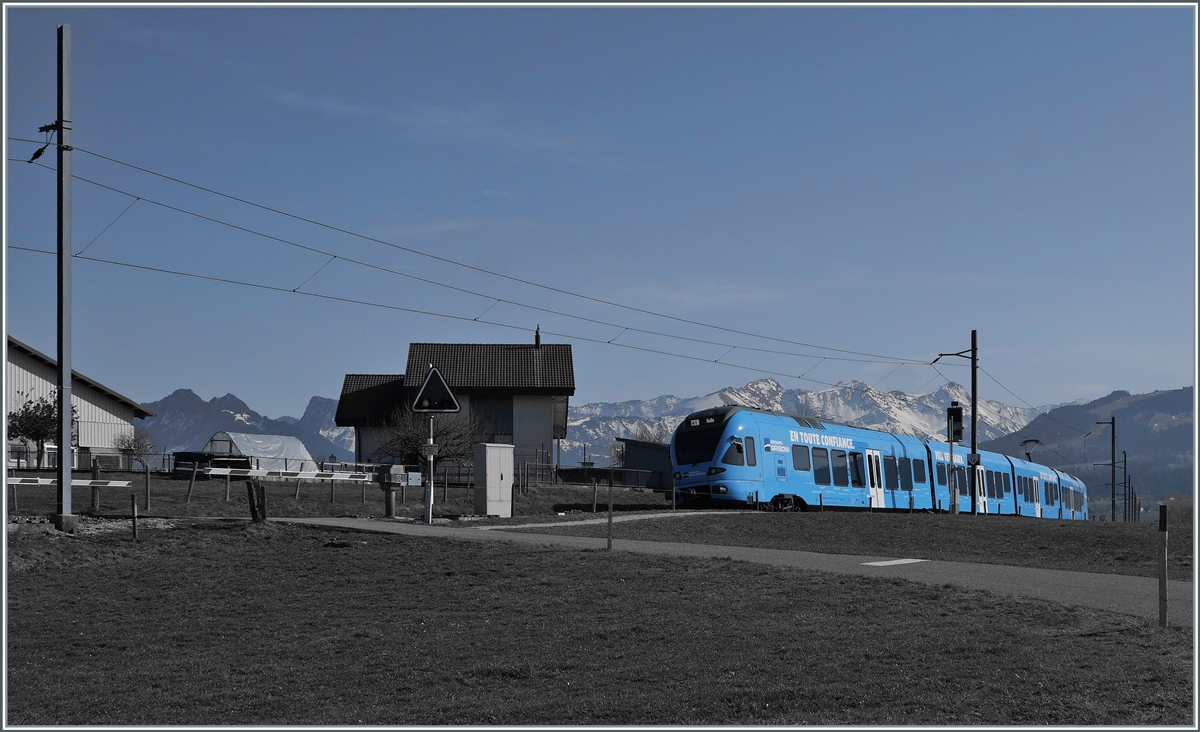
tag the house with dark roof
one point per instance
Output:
(103, 414)
(517, 393)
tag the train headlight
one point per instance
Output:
(720, 489)
(676, 475)
(714, 470)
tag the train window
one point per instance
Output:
(750, 459)
(820, 459)
(941, 473)
(906, 482)
(800, 458)
(918, 471)
(733, 455)
(858, 474)
(841, 471)
(960, 479)
(697, 445)
(891, 476)
(1007, 483)
(991, 483)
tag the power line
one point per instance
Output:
(436, 283)
(368, 303)
(470, 266)
(1044, 414)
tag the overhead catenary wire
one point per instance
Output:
(1044, 414)
(481, 270)
(456, 288)
(417, 311)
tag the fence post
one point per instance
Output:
(610, 506)
(95, 488)
(133, 513)
(252, 498)
(595, 488)
(146, 465)
(1162, 566)
(227, 481)
(15, 509)
(192, 482)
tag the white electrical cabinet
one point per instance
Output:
(493, 479)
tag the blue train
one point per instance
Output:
(740, 456)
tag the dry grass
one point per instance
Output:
(229, 623)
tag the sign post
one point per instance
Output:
(434, 397)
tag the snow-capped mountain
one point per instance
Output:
(184, 421)
(851, 402)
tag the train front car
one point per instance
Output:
(716, 457)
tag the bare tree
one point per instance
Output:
(405, 433)
(135, 445)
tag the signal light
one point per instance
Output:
(954, 423)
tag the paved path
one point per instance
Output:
(1117, 593)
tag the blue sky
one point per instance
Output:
(873, 180)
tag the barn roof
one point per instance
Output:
(139, 411)
(368, 398)
(502, 367)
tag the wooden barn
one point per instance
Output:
(103, 414)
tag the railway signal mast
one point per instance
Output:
(973, 457)
(954, 430)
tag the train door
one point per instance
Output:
(1037, 497)
(875, 478)
(980, 489)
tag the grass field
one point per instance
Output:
(231, 623)
(222, 622)
(1092, 546)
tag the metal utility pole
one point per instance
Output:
(63, 520)
(1113, 507)
(973, 458)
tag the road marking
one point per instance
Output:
(891, 562)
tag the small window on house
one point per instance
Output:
(820, 459)
(750, 459)
(800, 458)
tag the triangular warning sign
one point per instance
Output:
(434, 395)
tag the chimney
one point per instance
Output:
(537, 337)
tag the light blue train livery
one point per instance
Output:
(742, 456)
